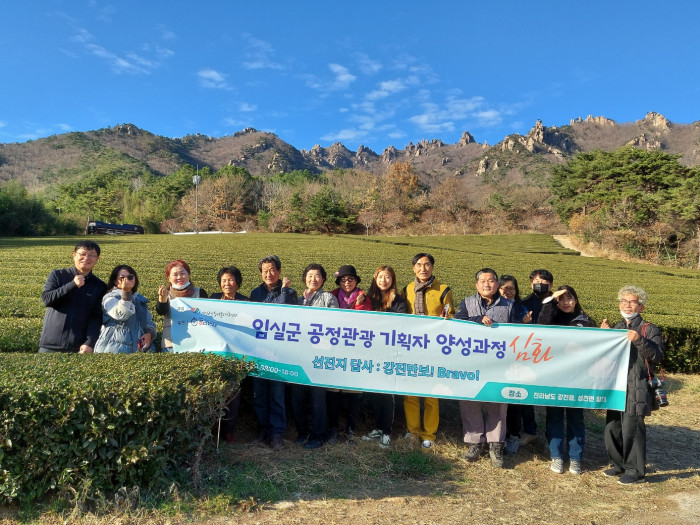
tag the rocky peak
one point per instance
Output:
(600, 120)
(467, 138)
(657, 120)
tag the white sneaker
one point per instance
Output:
(427, 443)
(410, 435)
(557, 466)
(384, 442)
(575, 467)
(375, 435)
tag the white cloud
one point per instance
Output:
(367, 65)
(245, 107)
(210, 78)
(436, 118)
(259, 54)
(343, 77)
(64, 127)
(2, 124)
(490, 117)
(345, 134)
(129, 62)
(386, 88)
(235, 123)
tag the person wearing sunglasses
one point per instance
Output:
(127, 326)
(72, 299)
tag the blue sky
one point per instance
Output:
(376, 73)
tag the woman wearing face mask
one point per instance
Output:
(127, 326)
(563, 309)
(314, 277)
(179, 285)
(382, 293)
(625, 432)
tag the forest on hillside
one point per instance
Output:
(644, 203)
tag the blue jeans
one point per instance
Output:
(575, 432)
(269, 406)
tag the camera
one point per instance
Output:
(657, 385)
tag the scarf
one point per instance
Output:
(348, 301)
(187, 291)
(309, 296)
(419, 305)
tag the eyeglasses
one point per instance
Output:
(347, 280)
(130, 277)
(88, 255)
(633, 302)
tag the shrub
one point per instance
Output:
(92, 424)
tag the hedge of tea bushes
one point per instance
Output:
(91, 424)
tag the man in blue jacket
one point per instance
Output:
(73, 298)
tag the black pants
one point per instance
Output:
(300, 411)
(335, 407)
(521, 417)
(626, 442)
(383, 405)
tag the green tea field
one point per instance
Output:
(26, 263)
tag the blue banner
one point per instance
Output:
(411, 354)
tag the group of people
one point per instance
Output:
(85, 315)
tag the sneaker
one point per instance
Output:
(496, 454)
(384, 442)
(312, 444)
(612, 472)
(575, 467)
(427, 443)
(473, 451)
(276, 442)
(526, 439)
(410, 436)
(375, 435)
(512, 445)
(557, 466)
(629, 479)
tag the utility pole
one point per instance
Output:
(196, 180)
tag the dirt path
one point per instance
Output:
(567, 242)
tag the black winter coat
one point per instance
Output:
(73, 315)
(650, 347)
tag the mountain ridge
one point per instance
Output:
(516, 159)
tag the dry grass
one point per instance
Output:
(361, 483)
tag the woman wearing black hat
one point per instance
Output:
(351, 297)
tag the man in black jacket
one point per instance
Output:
(73, 300)
(625, 432)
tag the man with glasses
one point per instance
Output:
(73, 297)
(625, 432)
